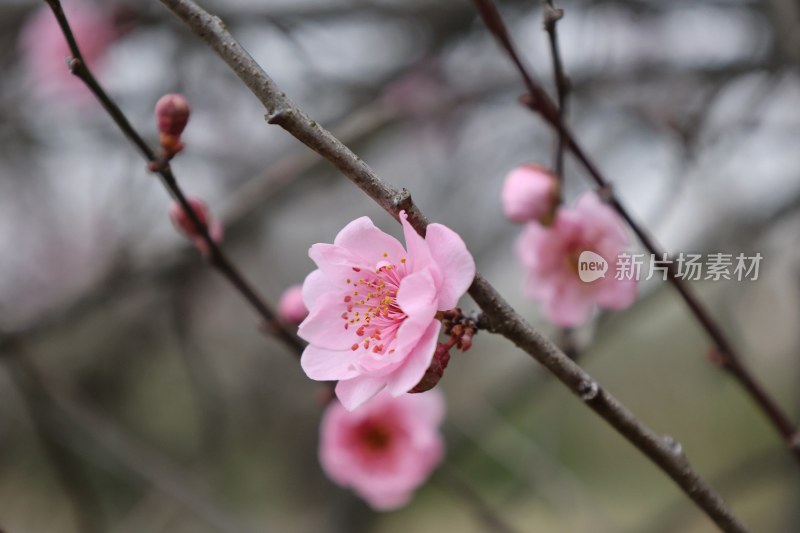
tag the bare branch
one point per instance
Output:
(499, 317)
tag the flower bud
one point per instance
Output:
(172, 114)
(441, 357)
(291, 307)
(530, 193)
(183, 223)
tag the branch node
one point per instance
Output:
(606, 193)
(675, 447)
(279, 116)
(74, 65)
(794, 441)
(402, 200)
(551, 15)
(588, 390)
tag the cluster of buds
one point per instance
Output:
(172, 114)
(461, 329)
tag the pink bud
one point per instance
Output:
(530, 192)
(172, 114)
(291, 307)
(441, 357)
(182, 222)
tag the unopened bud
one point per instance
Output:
(530, 193)
(441, 357)
(291, 307)
(183, 223)
(172, 114)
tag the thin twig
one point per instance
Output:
(499, 317)
(551, 16)
(216, 257)
(485, 513)
(538, 101)
(70, 473)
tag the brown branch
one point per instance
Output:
(499, 317)
(538, 101)
(216, 257)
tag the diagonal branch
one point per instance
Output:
(499, 317)
(538, 101)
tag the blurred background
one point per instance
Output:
(137, 392)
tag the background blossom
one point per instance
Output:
(385, 449)
(550, 255)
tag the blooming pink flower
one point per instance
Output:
(550, 258)
(529, 193)
(372, 321)
(291, 307)
(385, 449)
(44, 48)
(184, 224)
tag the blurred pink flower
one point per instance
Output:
(184, 224)
(384, 450)
(530, 193)
(550, 258)
(372, 321)
(291, 307)
(44, 48)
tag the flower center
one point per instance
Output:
(373, 436)
(371, 310)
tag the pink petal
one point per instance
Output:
(315, 285)
(364, 240)
(616, 294)
(455, 263)
(570, 306)
(328, 365)
(330, 256)
(388, 500)
(417, 296)
(417, 362)
(419, 255)
(356, 391)
(324, 327)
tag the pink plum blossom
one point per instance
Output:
(550, 255)
(182, 222)
(530, 193)
(291, 307)
(385, 449)
(44, 48)
(373, 305)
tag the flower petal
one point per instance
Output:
(569, 306)
(356, 391)
(315, 285)
(419, 255)
(455, 263)
(417, 362)
(363, 239)
(328, 365)
(324, 327)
